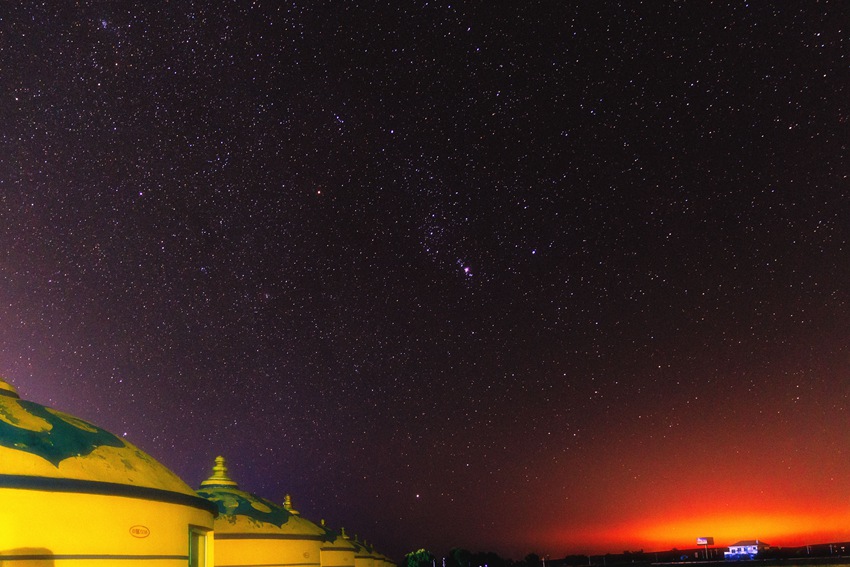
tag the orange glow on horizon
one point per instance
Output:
(782, 529)
(789, 493)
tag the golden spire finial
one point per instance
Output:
(219, 475)
(344, 535)
(287, 504)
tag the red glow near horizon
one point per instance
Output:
(783, 528)
(783, 482)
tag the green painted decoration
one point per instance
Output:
(233, 502)
(53, 436)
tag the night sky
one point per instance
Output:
(551, 277)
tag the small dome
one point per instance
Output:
(38, 442)
(243, 512)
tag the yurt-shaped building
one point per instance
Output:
(337, 550)
(362, 554)
(369, 553)
(75, 494)
(382, 560)
(252, 531)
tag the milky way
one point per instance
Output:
(553, 277)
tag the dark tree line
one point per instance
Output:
(459, 557)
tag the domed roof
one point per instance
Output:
(359, 546)
(241, 511)
(337, 540)
(305, 526)
(43, 446)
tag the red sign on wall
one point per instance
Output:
(140, 531)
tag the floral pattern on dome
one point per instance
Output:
(234, 502)
(52, 435)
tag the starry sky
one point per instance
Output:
(551, 277)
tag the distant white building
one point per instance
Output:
(747, 549)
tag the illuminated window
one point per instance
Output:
(198, 547)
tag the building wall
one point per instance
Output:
(266, 550)
(337, 555)
(53, 528)
(363, 559)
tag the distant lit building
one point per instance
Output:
(73, 493)
(747, 549)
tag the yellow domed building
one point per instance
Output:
(253, 531)
(379, 559)
(382, 560)
(362, 554)
(75, 494)
(338, 550)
